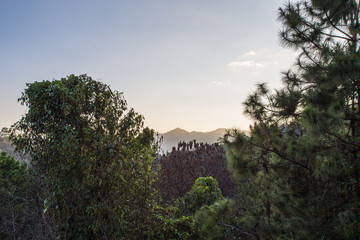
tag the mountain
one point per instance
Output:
(173, 137)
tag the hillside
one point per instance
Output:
(176, 135)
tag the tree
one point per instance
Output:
(299, 170)
(205, 191)
(175, 221)
(93, 155)
(219, 221)
(12, 186)
(21, 203)
(189, 161)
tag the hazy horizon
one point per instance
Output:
(193, 130)
(181, 64)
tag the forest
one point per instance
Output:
(94, 171)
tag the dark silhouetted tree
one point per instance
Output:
(189, 161)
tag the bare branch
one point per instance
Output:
(233, 227)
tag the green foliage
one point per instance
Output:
(20, 203)
(176, 222)
(298, 171)
(12, 173)
(12, 186)
(168, 226)
(93, 155)
(218, 221)
(205, 191)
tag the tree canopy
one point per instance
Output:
(189, 161)
(93, 154)
(299, 170)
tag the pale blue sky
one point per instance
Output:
(184, 63)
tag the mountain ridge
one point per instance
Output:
(174, 136)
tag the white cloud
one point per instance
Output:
(251, 53)
(221, 83)
(241, 64)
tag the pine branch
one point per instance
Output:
(277, 152)
(336, 36)
(343, 140)
(334, 26)
(313, 60)
(321, 32)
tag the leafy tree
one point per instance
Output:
(220, 221)
(205, 191)
(167, 226)
(93, 155)
(298, 172)
(175, 221)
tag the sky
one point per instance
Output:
(180, 63)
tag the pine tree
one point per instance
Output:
(299, 170)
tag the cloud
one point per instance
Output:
(242, 64)
(221, 83)
(248, 54)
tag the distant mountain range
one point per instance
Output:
(173, 137)
(170, 140)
